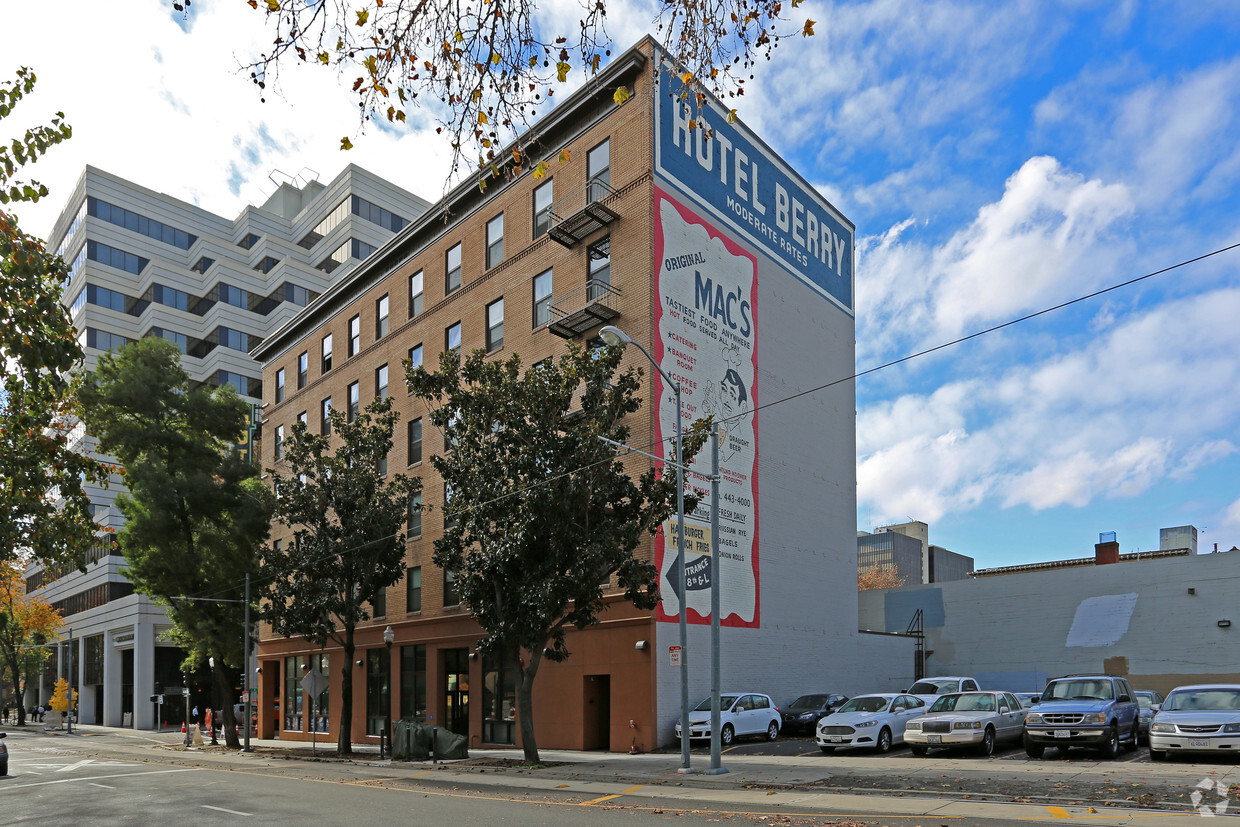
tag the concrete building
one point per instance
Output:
(737, 276)
(147, 264)
(906, 547)
(1161, 618)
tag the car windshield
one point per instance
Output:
(964, 703)
(874, 703)
(725, 702)
(1074, 690)
(1145, 699)
(1221, 698)
(933, 687)
(809, 702)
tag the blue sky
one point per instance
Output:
(998, 158)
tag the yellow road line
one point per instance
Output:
(1058, 812)
(600, 800)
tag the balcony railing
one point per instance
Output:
(583, 308)
(580, 213)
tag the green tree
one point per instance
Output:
(346, 518)
(26, 622)
(196, 513)
(486, 68)
(44, 511)
(540, 511)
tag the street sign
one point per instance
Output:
(245, 697)
(673, 653)
(314, 682)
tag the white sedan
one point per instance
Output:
(976, 719)
(869, 721)
(1203, 718)
(741, 713)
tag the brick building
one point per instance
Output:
(708, 250)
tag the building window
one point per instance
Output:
(120, 259)
(452, 263)
(415, 294)
(325, 422)
(326, 364)
(415, 357)
(599, 256)
(353, 401)
(355, 335)
(170, 297)
(378, 603)
(415, 440)
(249, 241)
(413, 589)
(303, 419)
(598, 171)
(451, 597)
(413, 527)
(303, 369)
(378, 696)
(278, 443)
(292, 705)
(544, 194)
(495, 325)
(452, 340)
(381, 317)
(542, 298)
(499, 716)
(381, 382)
(413, 682)
(495, 240)
(134, 222)
(280, 385)
(377, 215)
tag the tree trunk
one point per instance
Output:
(17, 694)
(223, 689)
(525, 707)
(344, 741)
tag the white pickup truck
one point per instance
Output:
(928, 689)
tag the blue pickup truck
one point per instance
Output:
(1098, 711)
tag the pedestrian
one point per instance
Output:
(41, 713)
(194, 716)
(6, 713)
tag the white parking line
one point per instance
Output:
(105, 786)
(99, 778)
(222, 810)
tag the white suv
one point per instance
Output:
(741, 713)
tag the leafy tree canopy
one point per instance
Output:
(30, 146)
(346, 518)
(540, 514)
(484, 69)
(26, 622)
(879, 577)
(196, 513)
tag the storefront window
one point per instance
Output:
(319, 721)
(292, 705)
(413, 683)
(378, 696)
(499, 700)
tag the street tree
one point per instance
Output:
(196, 513)
(484, 70)
(44, 510)
(26, 623)
(879, 577)
(346, 517)
(540, 514)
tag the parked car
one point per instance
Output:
(1148, 700)
(741, 713)
(1027, 699)
(967, 719)
(928, 689)
(1200, 718)
(803, 714)
(4, 755)
(869, 721)
(1083, 711)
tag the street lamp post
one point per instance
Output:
(388, 637)
(613, 335)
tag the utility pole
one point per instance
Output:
(69, 691)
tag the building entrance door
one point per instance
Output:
(596, 713)
(456, 690)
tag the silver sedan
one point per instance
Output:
(1201, 718)
(967, 719)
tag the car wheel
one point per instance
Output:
(1158, 754)
(987, 747)
(884, 740)
(1033, 750)
(917, 749)
(727, 734)
(1132, 743)
(772, 732)
(1110, 749)
(827, 750)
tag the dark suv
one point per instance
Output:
(1098, 711)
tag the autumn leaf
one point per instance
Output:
(808, 31)
(495, 59)
(561, 70)
(686, 78)
(540, 171)
(621, 95)
(482, 117)
(273, 5)
(345, 144)
(564, 156)
(362, 17)
(253, 3)
(732, 116)
(324, 58)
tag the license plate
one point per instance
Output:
(835, 739)
(1198, 743)
(935, 739)
(1063, 733)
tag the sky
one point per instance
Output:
(998, 159)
